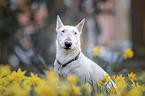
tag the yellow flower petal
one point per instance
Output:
(96, 50)
(72, 79)
(128, 53)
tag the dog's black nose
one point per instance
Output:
(68, 44)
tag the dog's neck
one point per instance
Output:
(64, 55)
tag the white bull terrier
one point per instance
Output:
(70, 59)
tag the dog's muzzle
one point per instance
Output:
(68, 45)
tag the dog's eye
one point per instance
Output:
(75, 33)
(62, 31)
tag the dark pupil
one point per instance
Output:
(75, 33)
(63, 31)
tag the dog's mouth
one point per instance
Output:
(67, 48)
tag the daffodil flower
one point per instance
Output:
(96, 50)
(72, 79)
(35, 79)
(4, 70)
(128, 53)
(99, 85)
(113, 78)
(105, 79)
(120, 78)
(132, 76)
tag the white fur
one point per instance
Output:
(84, 68)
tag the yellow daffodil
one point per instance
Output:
(120, 78)
(105, 79)
(135, 91)
(113, 78)
(9, 78)
(4, 70)
(99, 85)
(3, 90)
(121, 86)
(96, 50)
(75, 90)
(3, 82)
(51, 77)
(72, 79)
(128, 53)
(65, 89)
(16, 76)
(14, 89)
(35, 79)
(27, 84)
(132, 76)
(17, 84)
(43, 89)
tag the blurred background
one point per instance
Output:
(27, 32)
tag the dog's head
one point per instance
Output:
(68, 36)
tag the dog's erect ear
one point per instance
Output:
(59, 23)
(80, 26)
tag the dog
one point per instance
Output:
(70, 59)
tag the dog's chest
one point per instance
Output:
(72, 68)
